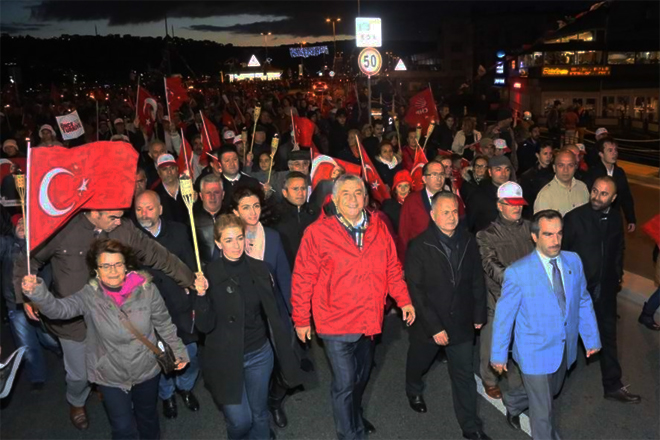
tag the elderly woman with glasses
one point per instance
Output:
(125, 369)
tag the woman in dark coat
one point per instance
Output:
(386, 163)
(244, 334)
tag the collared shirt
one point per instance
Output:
(157, 233)
(175, 195)
(547, 265)
(560, 198)
(235, 179)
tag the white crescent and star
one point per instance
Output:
(44, 199)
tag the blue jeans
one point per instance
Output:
(351, 366)
(653, 303)
(133, 414)
(250, 419)
(181, 380)
(28, 333)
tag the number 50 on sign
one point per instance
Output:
(370, 61)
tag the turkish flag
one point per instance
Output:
(421, 110)
(379, 190)
(185, 153)
(304, 129)
(63, 181)
(147, 108)
(176, 93)
(418, 166)
(323, 166)
(228, 120)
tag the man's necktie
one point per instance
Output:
(558, 286)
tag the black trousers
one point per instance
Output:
(460, 359)
(605, 308)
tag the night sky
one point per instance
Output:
(241, 22)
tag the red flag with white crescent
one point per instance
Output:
(323, 167)
(176, 93)
(147, 108)
(416, 172)
(63, 181)
(375, 184)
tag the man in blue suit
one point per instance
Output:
(544, 295)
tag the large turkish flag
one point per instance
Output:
(63, 181)
(323, 166)
(176, 93)
(147, 109)
(379, 190)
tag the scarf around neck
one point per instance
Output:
(133, 280)
(391, 164)
(256, 245)
(356, 232)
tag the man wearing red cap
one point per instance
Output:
(504, 241)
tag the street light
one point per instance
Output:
(302, 57)
(334, 21)
(265, 35)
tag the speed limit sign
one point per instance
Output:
(370, 61)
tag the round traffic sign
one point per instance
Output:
(370, 61)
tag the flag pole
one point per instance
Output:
(22, 184)
(97, 119)
(206, 132)
(364, 169)
(167, 100)
(137, 99)
(293, 129)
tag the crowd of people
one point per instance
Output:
(507, 236)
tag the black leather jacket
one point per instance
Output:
(204, 222)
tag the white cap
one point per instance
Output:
(47, 127)
(228, 135)
(118, 121)
(166, 118)
(165, 160)
(527, 116)
(582, 148)
(238, 140)
(511, 193)
(602, 130)
(501, 145)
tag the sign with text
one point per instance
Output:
(577, 71)
(368, 32)
(70, 125)
(370, 61)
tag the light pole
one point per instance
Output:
(302, 71)
(265, 35)
(334, 21)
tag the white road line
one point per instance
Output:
(497, 403)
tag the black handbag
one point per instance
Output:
(163, 352)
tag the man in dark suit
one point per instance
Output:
(608, 153)
(294, 213)
(595, 232)
(446, 284)
(173, 237)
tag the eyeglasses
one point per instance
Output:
(116, 266)
(435, 175)
(480, 166)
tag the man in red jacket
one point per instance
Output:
(345, 267)
(416, 210)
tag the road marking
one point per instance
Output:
(497, 403)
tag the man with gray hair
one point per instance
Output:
(211, 194)
(339, 288)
